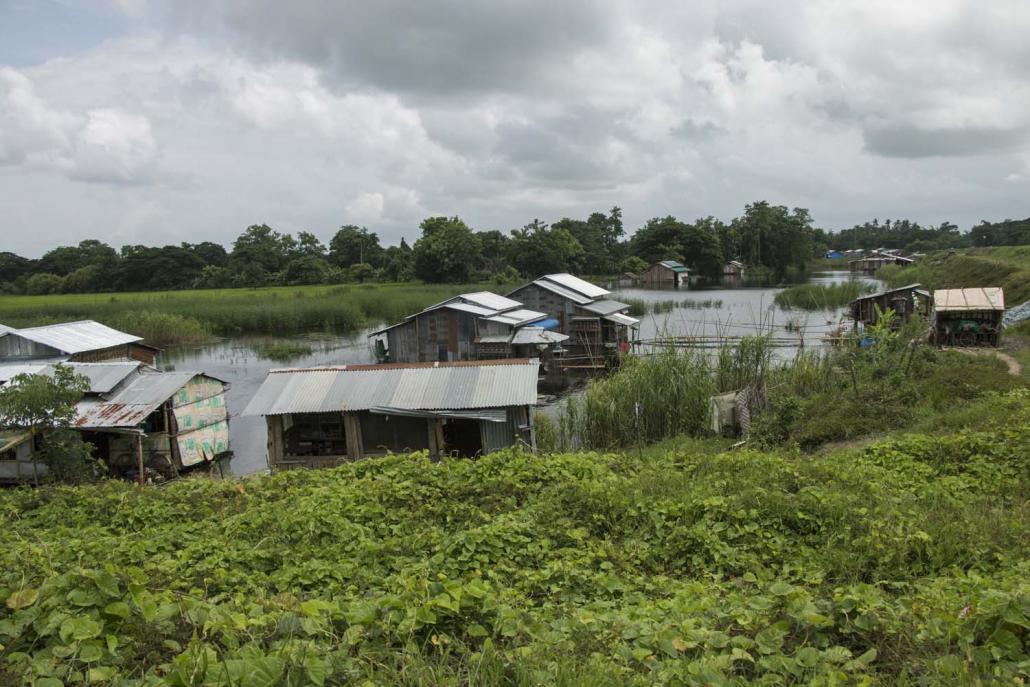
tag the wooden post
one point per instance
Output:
(352, 434)
(275, 440)
(434, 447)
(139, 458)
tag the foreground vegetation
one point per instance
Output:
(1008, 267)
(901, 563)
(170, 317)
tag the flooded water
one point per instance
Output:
(711, 312)
(736, 312)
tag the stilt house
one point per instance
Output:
(905, 301)
(325, 416)
(599, 329)
(471, 326)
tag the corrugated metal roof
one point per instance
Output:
(4, 329)
(675, 266)
(887, 292)
(518, 317)
(9, 371)
(131, 406)
(606, 307)
(578, 285)
(536, 335)
(988, 298)
(490, 300)
(467, 307)
(414, 386)
(619, 318)
(103, 377)
(571, 295)
(77, 337)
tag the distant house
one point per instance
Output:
(322, 417)
(872, 263)
(833, 255)
(470, 326)
(598, 327)
(733, 268)
(665, 274)
(968, 317)
(82, 342)
(136, 417)
(905, 301)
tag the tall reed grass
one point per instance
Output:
(822, 296)
(229, 312)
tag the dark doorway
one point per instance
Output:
(462, 437)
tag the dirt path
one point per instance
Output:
(1015, 368)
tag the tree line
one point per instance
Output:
(770, 239)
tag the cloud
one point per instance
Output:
(910, 141)
(101, 145)
(202, 118)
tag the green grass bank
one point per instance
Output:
(1004, 266)
(169, 317)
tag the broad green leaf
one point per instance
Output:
(22, 598)
(119, 609)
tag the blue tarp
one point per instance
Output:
(549, 323)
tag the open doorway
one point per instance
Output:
(462, 437)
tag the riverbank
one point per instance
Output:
(1004, 266)
(176, 317)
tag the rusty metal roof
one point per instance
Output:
(986, 298)
(76, 337)
(414, 386)
(132, 404)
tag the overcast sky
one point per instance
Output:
(160, 122)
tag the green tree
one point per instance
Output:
(774, 237)
(263, 248)
(46, 406)
(352, 245)
(42, 283)
(308, 245)
(701, 248)
(539, 249)
(447, 252)
(307, 269)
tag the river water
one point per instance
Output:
(726, 312)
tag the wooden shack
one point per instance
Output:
(168, 421)
(470, 326)
(322, 417)
(906, 302)
(666, 274)
(968, 317)
(85, 341)
(599, 328)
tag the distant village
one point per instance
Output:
(461, 377)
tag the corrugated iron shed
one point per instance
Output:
(576, 284)
(77, 337)
(414, 386)
(570, 294)
(675, 266)
(619, 318)
(517, 317)
(887, 292)
(536, 335)
(987, 298)
(131, 405)
(490, 300)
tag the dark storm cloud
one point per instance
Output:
(909, 141)
(430, 47)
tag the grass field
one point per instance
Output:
(821, 296)
(168, 317)
(1004, 266)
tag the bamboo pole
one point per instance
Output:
(139, 458)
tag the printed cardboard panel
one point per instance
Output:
(207, 411)
(197, 389)
(203, 444)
